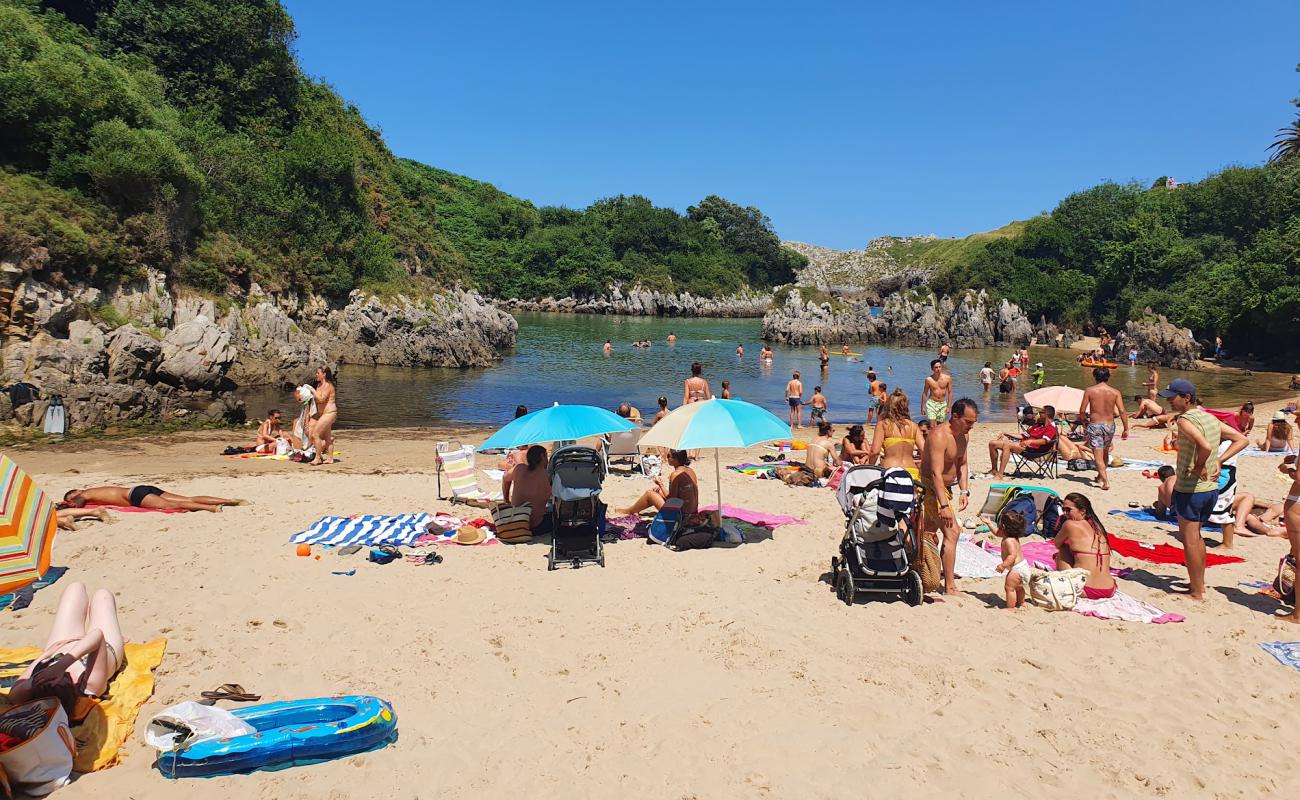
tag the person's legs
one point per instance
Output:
(1194, 553)
(949, 557)
(1014, 589)
(161, 501)
(650, 498)
(70, 619)
(103, 616)
(1291, 518)
(202, 498)
(322, 436)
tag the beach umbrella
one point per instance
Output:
(1062, 398)
(555, 424)
(716, 424)
(27, 524)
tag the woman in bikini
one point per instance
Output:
(1082, 542)
(85, 644)
(853, 448)
(1278, 437)
(695, 388)
(322, 429)
(896, 437)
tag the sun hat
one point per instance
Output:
(1279, 416)
(468, 534)
(1179, 386)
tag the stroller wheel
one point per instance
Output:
(914, 591)
(835, 566)
(844, 588)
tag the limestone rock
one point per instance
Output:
(132, 355)
(196, 355)
(1159, 340)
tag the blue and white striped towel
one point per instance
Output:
(897, 494)
(371, 529)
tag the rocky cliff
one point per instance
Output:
(637, 301)
(142, 351)
(854, 271)
(907, 317)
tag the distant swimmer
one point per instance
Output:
(844, 351)
(766, 354)
(609, 346)
(672, 337)
(944, 350)
(740, 350)
(825, 357)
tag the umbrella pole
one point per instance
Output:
(717, 474)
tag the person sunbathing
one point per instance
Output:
(1149, 409)
(529, 483)
(682, 485)
(66, 518)
(82, 653)
(150, 497)
(1039, 436)
(1082, 542)
(269, 434)
(1278, 438)
(1254, 517)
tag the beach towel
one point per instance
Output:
(756, 517)
(974, 561)
(1255, 451)
(397, 530)
(101, 726)
(1286, 653)
(1123, 607)
(17, 601)
(758, 469)
(136, 509)
(1148, 515)
(1162, 553)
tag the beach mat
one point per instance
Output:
(1255, 452)
(370, 529)
(1123, 607)
(1162, 553)
(1286, 653)
(17, 601)
(1147, 515)
(136, 509)
(755, 517)
(101, 726)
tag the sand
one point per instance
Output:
(722, 673)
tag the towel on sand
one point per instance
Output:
(1147, 515)
(756, 517)
(1163, 553)
(1124, 607)
(17, 601)
(102, 725)
(136, 509)
(974, 561)
(1286, 653)
(1255, 451)
(370, 529)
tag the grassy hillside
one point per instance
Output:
(946, 253)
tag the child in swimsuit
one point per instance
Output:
(1011, 527)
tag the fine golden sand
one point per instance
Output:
(722, 673)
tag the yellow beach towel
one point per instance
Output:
(102, 726)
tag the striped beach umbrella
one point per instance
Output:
(27, 525)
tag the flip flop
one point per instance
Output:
(228, 691)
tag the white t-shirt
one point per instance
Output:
(986, 376)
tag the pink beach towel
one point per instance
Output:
(1123, 607)
(135, 509)
(756, 517)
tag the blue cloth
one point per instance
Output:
(1195, 506)
(399, 530)
(1147, 515)
(17, 601)
(1286, 653)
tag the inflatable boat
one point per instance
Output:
(1107, 364)
(289, 734)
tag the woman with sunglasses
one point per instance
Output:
(1082, 542)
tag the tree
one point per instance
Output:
(1287, 144)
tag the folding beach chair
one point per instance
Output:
(624, 445)
(1037, 462)
(458, 463)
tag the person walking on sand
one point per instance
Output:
(943, 467)
(818, 412)
(794, 396)
(1196, 485)
(1102, 403)
(695, 388)
(936, 394)
(322, 429)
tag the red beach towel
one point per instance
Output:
(1162, 553)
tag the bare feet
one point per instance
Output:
(1293, 617)
(102, 515)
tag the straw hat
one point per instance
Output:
(468, 534)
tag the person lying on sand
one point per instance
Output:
(67, 517)
(85, 645)
(1255, 517)
(144, 497)
(1148, 409)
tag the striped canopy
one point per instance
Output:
(27, 525)
(716, 423)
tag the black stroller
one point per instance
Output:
(880, 551)
(576, 474)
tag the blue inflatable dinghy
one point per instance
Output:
(289, 734)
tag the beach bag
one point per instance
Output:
(1022, 502)
(931, 567)
(865, 523)
(651, 466)
(512, 522)
(1284, 583)
(1058, 590)
(693, 538)
(796, 476)
(43, 760)
(836, 477)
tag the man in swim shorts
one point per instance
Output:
(794, 396)
(1102, 403)
(943, 465)
(936, 395)
(148, 497)
(943, 353)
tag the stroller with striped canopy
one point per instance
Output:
(880, 551)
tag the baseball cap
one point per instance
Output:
(1039, 364)
(1179, 386)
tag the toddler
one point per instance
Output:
(1011, 527)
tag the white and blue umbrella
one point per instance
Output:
(556, 424)
(716, 424)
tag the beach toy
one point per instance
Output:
(304, 550)
(289, 734)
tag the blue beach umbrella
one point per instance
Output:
(716, 424)
(555, 424)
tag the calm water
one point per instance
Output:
(558, 359)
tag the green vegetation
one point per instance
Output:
(183, 136)
(948, 253)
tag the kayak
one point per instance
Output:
(289, 734)
(848, 354)
(1107, 364)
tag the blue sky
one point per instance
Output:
(841, 121)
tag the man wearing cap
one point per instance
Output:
(1196, 485)
(1038, 375)
(1102, 403)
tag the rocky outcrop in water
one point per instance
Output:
(141, 352)
(906, 317)
(637, 301)
(1160, 341)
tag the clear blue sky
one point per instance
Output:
(842, 121)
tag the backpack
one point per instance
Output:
(1053, 511)
(1022, 502)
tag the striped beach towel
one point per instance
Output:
(371, 529)
(897, 495)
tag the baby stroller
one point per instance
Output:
(881, 545)
(576, 474)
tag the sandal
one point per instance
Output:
(228, 691)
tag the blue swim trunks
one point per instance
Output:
(1195, 506)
